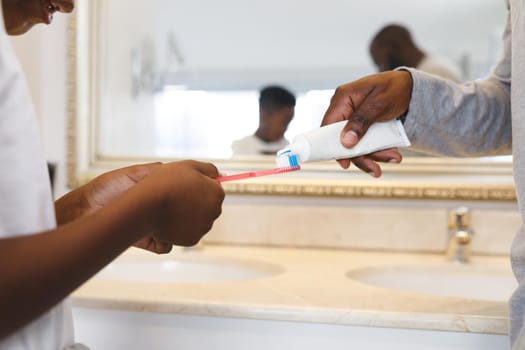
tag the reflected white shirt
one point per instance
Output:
(254, 146)
(441, 67)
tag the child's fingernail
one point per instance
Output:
(393, 160)
(373, 174)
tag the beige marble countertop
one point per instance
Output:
(309, 285)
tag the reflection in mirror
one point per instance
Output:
(180, 78)
(169, 79)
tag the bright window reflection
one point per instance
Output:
(203, 124)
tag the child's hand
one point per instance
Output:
(101, 191)
(104, 189)
(185, 201)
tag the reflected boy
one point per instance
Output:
(276, 111)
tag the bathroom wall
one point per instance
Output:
(42, 53)
(360, 223)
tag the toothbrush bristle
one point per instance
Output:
(285, 158)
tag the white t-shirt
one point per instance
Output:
(441, 67)
(26, 204)
(254, 146)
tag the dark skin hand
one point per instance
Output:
(101, 191)
(378, 97)
(155, 204)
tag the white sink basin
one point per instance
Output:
(470, 281)
(186, 268)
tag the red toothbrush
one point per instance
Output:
(251, 174)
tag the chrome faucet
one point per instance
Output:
(459, 235)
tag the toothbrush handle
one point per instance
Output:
(226, 178)
(249, 174)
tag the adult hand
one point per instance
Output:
(378, 97)
(101, 191)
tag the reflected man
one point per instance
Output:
(394, 47)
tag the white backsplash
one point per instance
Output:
(393, 225)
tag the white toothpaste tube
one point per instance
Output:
(325, 143)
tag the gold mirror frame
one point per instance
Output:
(417, 178)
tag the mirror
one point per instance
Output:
(172, 79)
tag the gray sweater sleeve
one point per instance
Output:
(470, 119)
